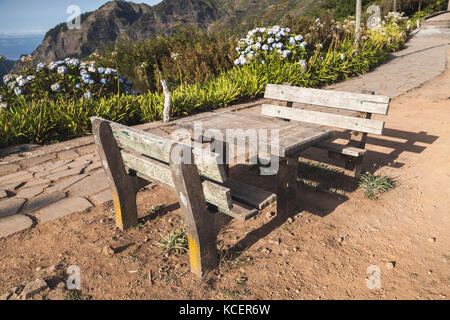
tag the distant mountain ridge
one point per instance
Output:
(117, 19)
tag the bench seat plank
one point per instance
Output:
(329, 98)
(250, 195)
(324, 119)
(240, 211)
(342, 149)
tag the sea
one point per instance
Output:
(13, 46)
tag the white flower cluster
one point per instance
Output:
(261, 41)
(17, 83)
(86, 71)
(395, 16)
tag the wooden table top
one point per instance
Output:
(294, 137)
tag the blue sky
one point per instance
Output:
(26, 17)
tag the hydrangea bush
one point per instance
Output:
(69, 78)
(262, 44)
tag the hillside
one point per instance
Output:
(117, 19)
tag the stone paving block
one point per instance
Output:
(65, 173)
(68, 155)
(89, 157)
(63, 208)
(8, 169)
(31, 288)
(3, 194)
(11, 206)
(88, 149)
(94, 166)
(43, 201)
(37, 182)
(31, 162)
(12, 186)
(30, 192)
(79, 163)
(90, 185)
(11, 178)
(13, 224)
(103, 196)
(66, 183)
(49, 166)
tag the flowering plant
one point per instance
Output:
(264, 43)
(69, 78)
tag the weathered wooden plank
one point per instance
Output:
(342, 149)
(160, 173)
(241, 211)
(247, 194)
(202, 235)
(329, 98)
(159, 148)
(325, 119)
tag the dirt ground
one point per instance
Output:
(322, 252)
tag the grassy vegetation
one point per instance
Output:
(374, 185)
(175, 242)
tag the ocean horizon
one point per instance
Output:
(12, 46)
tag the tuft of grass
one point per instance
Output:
(73, 295)
(228, 260)
(138, 226)
(174, 242)
(374, 185)
(153, 209)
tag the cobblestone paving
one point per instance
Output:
(40, 184)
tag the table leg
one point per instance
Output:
(223, 153)
(287, 185)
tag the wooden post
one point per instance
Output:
(358, 24)
(124, 187)
(200, 223)
(395, 6)
(287, 185)
(167, 101)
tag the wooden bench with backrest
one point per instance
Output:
(358, 121)
(132, 159)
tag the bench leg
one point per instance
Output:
(124, 187)
(354, 165)
(200, 224)
(287, 185)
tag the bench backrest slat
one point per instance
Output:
(329, 98)
(325, 119)
(208, 163)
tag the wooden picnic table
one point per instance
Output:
(294, 137)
